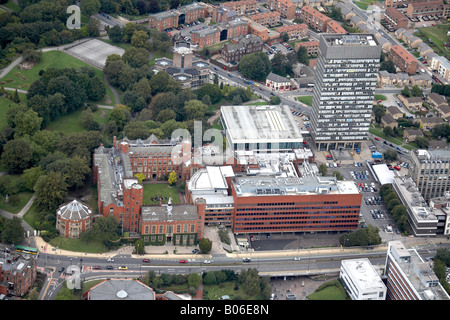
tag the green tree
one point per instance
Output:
(50, 191)
(16, 156)
(205, 245)
(194, 280)
(302, 55)
(209, 278)
(90, 7)
(27, 123)
(422, 142)
(13, 231)
(323, 169)
(195, 109)
(140, 177)
(139, 246)
(212, 90)
(120, 115)
(255, 66)
(140, 39)
(275, 100)
(115, 34)
(31, 175)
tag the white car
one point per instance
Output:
(296, 259)
(207, 262)
(110, 259)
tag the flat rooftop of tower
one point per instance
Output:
(340, 39)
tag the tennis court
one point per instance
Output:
(95, 52)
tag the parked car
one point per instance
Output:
(122, 268)
(182, 261)
(246, 260)
(146, 260)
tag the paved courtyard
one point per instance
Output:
(95, 52)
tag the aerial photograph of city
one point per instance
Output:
(238, 158)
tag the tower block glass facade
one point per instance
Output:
(344, 90)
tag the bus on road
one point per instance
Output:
(24, 249)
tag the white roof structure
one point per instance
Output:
(74, 211)
(383, 173)
(260, 124)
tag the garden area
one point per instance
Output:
(332, 290)
(154, 191)
(438, 36)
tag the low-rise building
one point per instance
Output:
(175, 17)
(242, 7)
(412, 103)
(285, 7)
(388, 121)
(395, 18)
(430, 8)
(334, 27)
(403, 59)
(436, 100)
(361, 280)
(312, 47)
(294, 31)
(278, 83)
(314, 19)
(429, 123)
(411, 134)
(267, 18)
(235, 50)
(17, 274)
(72, 219)
(394, 112)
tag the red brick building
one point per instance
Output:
(314, 19)
(72, 219)
(242, 7)
(395, 18)
(285, 7)
(266, 18)
(175, 17)
(335, 27)
(294, 31)
(403, 60)
(430, 8)
(312, 47)
(17, 275)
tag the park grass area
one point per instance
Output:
(329, 293)
(14, 206)
(70, 123)
(385, 137)
(437, 34)
(78, 245)
(5, 104)
(380, 97)
(22, 79)
(364, 4)
(306, 100)
(154, 190)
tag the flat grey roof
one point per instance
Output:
(257, 124)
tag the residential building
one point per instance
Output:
(411, 134)
(428, 123)
(334, 27)
(403, 60)
(205, 37)
(346, 12)
(259, 30)
(422, 79)
(430, 172)
(234, 51)
(430, 8)
(176, 17)
(72, 219)
(242, 7)
(361, 280)
(444, 69)
(394, 112)
(294, 31)
(17, 274)
(395, 18)
(436, 100)
(312, 47)
(263, 128)
(314, 19)
(412, 103)
(267, 18)
(408, 277)
(222, 14)
(388, 121)
(285, 7)
(343, 100)
(278, 83)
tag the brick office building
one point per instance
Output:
(310, 204)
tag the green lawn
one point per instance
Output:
(5, 103)
(159, 54)
(305, 99)
(160, 190)
(438, 34)
(16, 206)
(329, 293)
(214, 292)
(380, 97)
(70, 123)
(22, 79)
